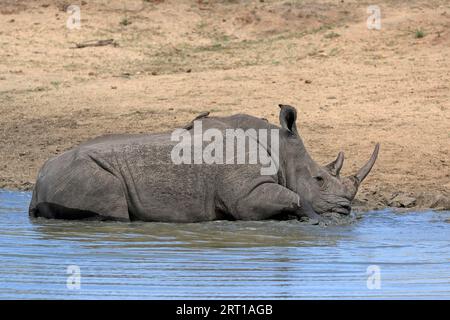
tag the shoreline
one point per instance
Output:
(398, 201)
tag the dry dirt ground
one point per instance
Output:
(171, 60)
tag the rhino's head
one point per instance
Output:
(321, 186)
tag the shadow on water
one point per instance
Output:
(223, 259)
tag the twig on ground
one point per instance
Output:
(95, 43)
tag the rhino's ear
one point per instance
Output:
(288, 117)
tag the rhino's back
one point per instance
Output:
(157, 189)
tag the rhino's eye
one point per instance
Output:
(320, 181)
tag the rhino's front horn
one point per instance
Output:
(364, 171)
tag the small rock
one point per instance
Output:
(113, 87)
(308, 81)
(188, 70)
(154, 73)
(313, 221)
(402, 201)
(441, 201)
(27, 185)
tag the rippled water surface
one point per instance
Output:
(223, 259)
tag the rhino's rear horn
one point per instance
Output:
(335, 167)
(364, 171)
(288, 117)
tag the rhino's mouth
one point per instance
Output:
(339, 205)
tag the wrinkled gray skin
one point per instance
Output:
(132, 177)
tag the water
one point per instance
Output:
(228, 260)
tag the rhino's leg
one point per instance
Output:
(270, 200)
(85, 191)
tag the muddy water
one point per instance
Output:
(408, 253)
